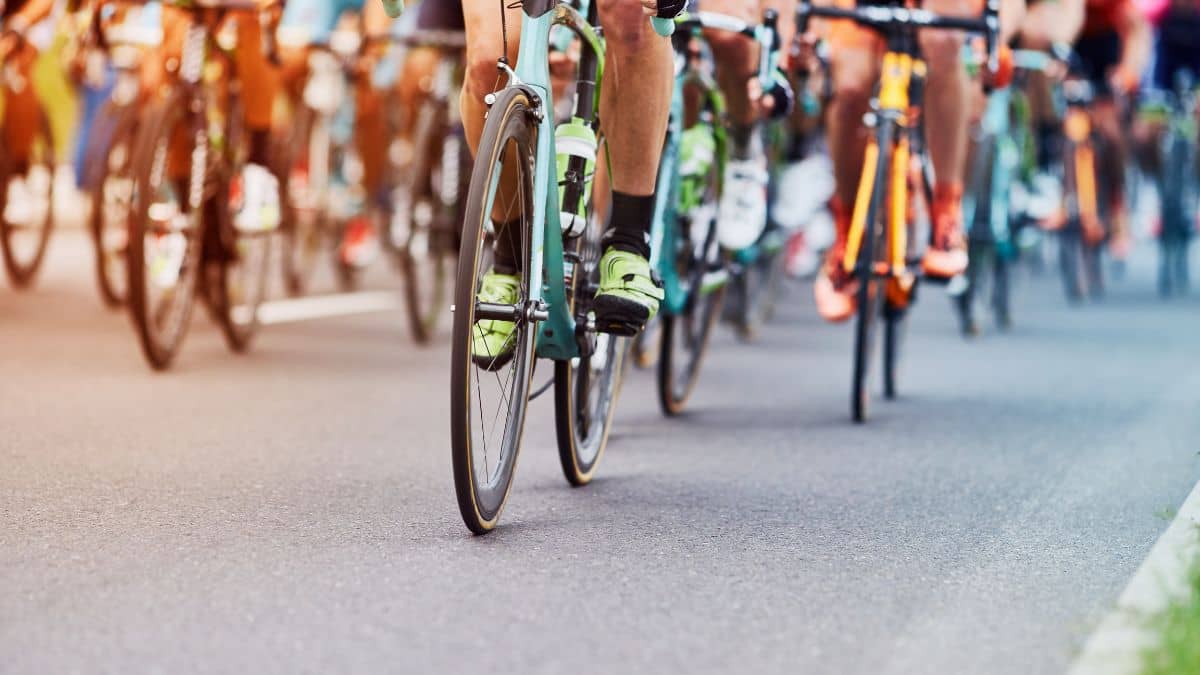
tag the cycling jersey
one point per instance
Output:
(313, 21)
(440, 15)
(1103, 16)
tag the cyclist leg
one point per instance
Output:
(259, 86)
(854, 68)
(946, 110)
(744, 204)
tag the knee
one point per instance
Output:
(942, 49)
(853, 82)
(482, 77)
(728, 48)
(625, 25)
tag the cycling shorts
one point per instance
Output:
(316, 19)
(440, 15)
(1098, 55)
(1177, 49)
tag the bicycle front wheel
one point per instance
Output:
(870, 286)
(424, 215)
(112, 194)
(703, 277)
(165, 232)
(27, 220)
(489, 392)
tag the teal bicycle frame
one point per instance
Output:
(664, 232)
(998, 123)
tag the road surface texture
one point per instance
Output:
(292, 510)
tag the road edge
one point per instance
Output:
(1116, 646)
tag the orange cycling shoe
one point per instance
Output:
(947, 253)
(835, 288)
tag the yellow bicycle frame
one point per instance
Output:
(895, 80)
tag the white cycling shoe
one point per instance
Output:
(261, 211)
(743, 212)
(804, 191)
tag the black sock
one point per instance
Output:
(260, 147)
(740, 136)
(799, 147)
(629, 228)
(507, 251)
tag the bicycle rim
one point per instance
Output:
(489, 397)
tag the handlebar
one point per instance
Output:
(883, 18)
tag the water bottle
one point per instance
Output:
(575, 139)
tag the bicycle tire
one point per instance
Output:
(161, 343)
(870, 291)
(585, 397)
(509, 137)
(237, 263)
(23, 257)
(305, 226)
(757, 287)
(111, 155)
(679, 363)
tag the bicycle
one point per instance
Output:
(26, 225)
(424, 211)
(880, 252)
(557, 278)
(191, 148)
(323, 173)
(1000, 147)
(1177, 187)
(1081, 233)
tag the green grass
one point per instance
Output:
(1178, 628)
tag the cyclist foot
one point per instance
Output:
(260, 211)
(743, 211)
(947, 254)
(492, 341)
(628, 296)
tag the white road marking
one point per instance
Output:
(1116, 646)
(326, 306)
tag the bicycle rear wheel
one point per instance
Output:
(870, 286)
(25, 225)
(757, 286)
(586, 387)
(166, 234)
(489, 396)
(236, 262)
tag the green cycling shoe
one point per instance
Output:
(492, 342)
(628, 296)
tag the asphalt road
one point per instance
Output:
(292, 510)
